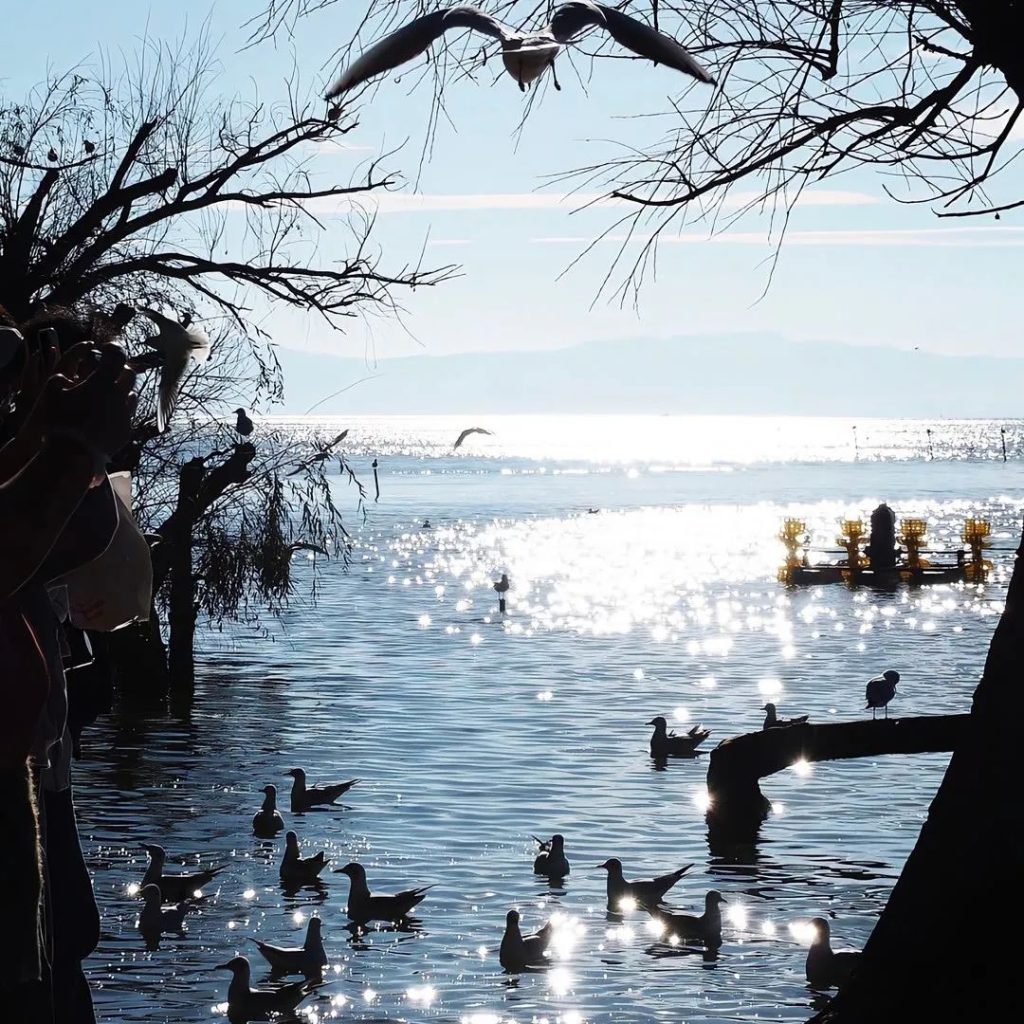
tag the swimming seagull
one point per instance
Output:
(551, 860)
(471, 430)
(363, 906)
(178, 343)
(154, 920)
(646, 892)
(174, 888)
(705, 928)
(309, 958)
(526, 56)
(296, 870)
(267, 821)
(828, 968)
(304, 797)
(243, 424)
(519, 952)
(880, 691)
(668, 744)
(772, 721)
(247, 1003)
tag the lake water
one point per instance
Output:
(471, 731)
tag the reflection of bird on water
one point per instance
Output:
(304, 797)
(551, 860)
(308, 958)
(471, 430)
(364, 906)
(668, 744)
(177, 343)
(881, 690)
(519, 952)
(267, 821)
(645, 892)
(154, 920)
(243, 424)
(772, 720)
(526, 56)
(174, 888)
(247, 1003)
(296, 870)
(705, 928)
(828, 968)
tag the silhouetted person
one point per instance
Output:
(882, 549)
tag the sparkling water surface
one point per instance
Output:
(471, 731)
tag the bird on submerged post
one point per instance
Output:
(247, 1003)
(772, 721)
(267, 821)
(645, 892)
(309, 958)
(551, 860)
(305, 797)
(825, 967)
(526, 56)
(296, 870)
(668, 744)
(174, 888)
(705, 928)
(880, 691)
(364, 906)
(518, 952)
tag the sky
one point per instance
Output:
(855, 267)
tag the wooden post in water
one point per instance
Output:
(856, 448)
(1002, 434)
(376, 482)
(929, 433)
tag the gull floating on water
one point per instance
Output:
(304, 797)
(526, 56)
(296, 870)
(551, 860)
(772, 720)
(880, 691)
(177, 343)
(519, 952)
(471, 430)
(247, 1003)
(668, 744)
(309, 958)
(828, 968)
(364, 906)
(154, 920)
(174, 888)
(267, 821)
(705, 928)
(645, 892)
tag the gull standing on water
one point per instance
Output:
(174, 888)
(645, 892)
(526, 56)
(668, 744)
(880, 691)
(772, 720)
(267, 821)
(309, 958)
(305, 797)
(825, 967)
(296, 870)
(154, 920)
(705, 928)
(364, 906)
(177, 343)
(519, 952)
(247, 1003)
(551, 860)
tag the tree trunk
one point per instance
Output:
(947, 946)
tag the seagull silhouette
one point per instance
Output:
(518, 952)
(247, 1003)
(826, 967)
(178, 343)
(526, 56)
(242, 423)
(470, 430)
(309, 958)
(772, 720)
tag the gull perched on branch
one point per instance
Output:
(526, 56)
(177, 343)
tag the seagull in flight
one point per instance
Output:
(471, 430)
(177, 343)
(526, 56)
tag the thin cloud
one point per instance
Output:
(449, 241)
(949, 238)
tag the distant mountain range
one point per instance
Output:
(736, 373)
